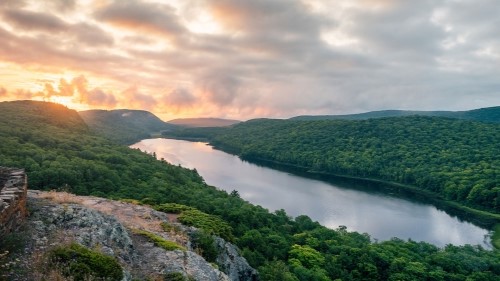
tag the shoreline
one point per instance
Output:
(485, 219)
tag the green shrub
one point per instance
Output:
(170, 228)
(204, 243)
(209, 223)
(81, 263)
(159, 241)
(173, 208)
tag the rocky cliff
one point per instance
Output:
(13, 188)
(117, 229)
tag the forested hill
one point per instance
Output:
(456, 159)
(124, 125)
(203, 122)
(58, 152)
(20, 114)
(489, 114)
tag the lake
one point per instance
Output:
(381, 215)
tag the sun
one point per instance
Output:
(68, 102)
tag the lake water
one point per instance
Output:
(380, 215)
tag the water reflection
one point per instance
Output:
(380, 215)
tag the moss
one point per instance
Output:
(81, 263)
(159, 241)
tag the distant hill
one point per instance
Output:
(203, 122)
(38, 112)
(124, 125)
(489, 114)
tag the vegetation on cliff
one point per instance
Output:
(81, 264)
(62, 154)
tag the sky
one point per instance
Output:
(244, 59)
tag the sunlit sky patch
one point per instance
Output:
(245, 59)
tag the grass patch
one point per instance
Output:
(61, 197)
(80, 263)
(131, 201)
(171, 228)
(160, 241)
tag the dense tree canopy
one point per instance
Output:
(456, 159)
(58, 152)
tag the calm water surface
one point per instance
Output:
(381, 216)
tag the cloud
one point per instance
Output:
(3, 92)
(244, 59)
(180, 97)
(79, 88)
(221, 89)
(138, 100)
(140, 16)
(13, 3)
(34, 21)
(92, 35)
(100, 98)
(65, 88)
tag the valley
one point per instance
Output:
(59, 151)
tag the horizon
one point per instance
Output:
(240, 60)
(244, 120)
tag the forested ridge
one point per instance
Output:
(488, 114)
(124, 126)
(457, 159)
(59, 152)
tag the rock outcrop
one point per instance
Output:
(232, 263)
(13, 188)
(111, 228)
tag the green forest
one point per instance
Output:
(58, 151)
(455, 159)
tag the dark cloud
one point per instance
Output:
(147, 17)
(273, 28)
(62, 5)
(180, 97)
(221, 89)
(34, 21)
(13, 3)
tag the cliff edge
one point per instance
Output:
(147, 244)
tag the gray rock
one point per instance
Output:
(232, 263)
(139, 257)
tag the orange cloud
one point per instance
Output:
(101, 98)
(138, 100)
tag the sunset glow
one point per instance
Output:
(246, 59)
